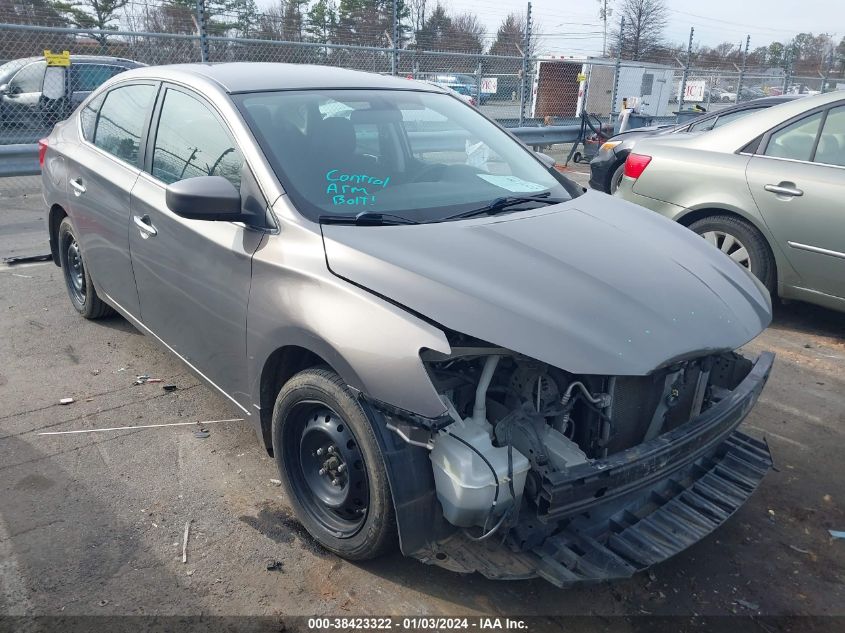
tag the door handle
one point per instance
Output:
(783, 190)
(78, 187)
(144, 226)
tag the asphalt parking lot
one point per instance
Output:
(93, 523)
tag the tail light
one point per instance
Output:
(42, 151)
(635, 165)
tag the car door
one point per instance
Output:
(797, 179)
(193, 276)
(100, 178)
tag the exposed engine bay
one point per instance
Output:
(516, 424)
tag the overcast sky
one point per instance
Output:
(574, 27)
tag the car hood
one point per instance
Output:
(595, 285)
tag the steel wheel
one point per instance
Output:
(730, 246)
(75, 270)
(327, 470)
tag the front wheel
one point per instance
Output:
(331, 466)
(741, 242)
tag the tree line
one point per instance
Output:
(423, 25)
(642, 38)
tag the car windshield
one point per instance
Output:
(419, 155)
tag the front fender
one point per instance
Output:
(372, 344)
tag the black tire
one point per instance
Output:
(616, 178)
(576, 157)
(761, 261)
(353, 518)
(78, 282)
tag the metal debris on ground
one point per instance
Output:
(169, 387)
(748, 605)
(202, 433)
(837, 533)
(276, 482)
(25, 259)
(145, 378)
(185, 542)
(66, 401)
(274, 565)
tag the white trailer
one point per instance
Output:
(565, 86)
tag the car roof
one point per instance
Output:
(235, 77)
(738, 133)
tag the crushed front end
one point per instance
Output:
(538, 472)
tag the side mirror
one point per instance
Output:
(547, 160)
(204, 198)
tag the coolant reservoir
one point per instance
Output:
(465, 485)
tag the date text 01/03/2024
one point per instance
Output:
(417, 623)
(353, 189)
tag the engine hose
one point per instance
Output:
(567, 396)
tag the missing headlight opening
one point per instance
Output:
(531, 454)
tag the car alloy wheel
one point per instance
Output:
(730, 246)
(327, 470)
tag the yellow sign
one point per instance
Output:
(582, 77)
(57, 59)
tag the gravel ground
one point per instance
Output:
(93, 523)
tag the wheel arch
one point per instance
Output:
(56, 214)
(279, 367)
(694, 215)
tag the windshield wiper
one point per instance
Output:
(366, 218)
(501, 204)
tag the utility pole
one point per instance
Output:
(604, 13)
(203, 31)
(394, 57)
(526, 51)
(616, 70)
(686, 71)
(742, 70)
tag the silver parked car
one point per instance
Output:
(443, 341)
(765, 189)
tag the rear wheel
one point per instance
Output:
(332, 467)
(742, 243)
(78, 282)
(616, 178)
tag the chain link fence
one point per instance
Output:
(517, 91)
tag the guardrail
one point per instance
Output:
(22, 159)
(19, 160)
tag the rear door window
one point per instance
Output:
(121, 120)
(795, 141)
(191, 141)
(88, 77)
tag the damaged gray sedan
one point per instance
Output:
(445, 344)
